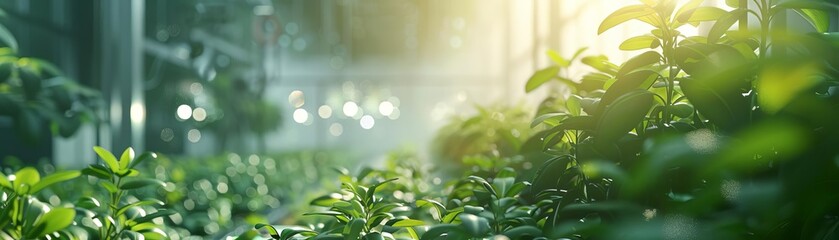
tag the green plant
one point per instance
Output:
(357, 213)
(35, 94)
(120, 219)
(24, 216)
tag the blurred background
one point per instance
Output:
(202, 77)
(250, 101)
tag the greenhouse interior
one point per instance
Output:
(419, 119)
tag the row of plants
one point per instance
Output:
(727, 135)
(155, 196)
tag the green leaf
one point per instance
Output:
(438, 231)
(474, 225)
(441, 209)
(701, 14)
(88, 203)
(8, 39)
(409, 223)
(624, 14)
(779, 85)
(108, 157)
(152, 216)
(373, 188)
(623, 115)
(641, 60)
(522, 232)
(353, 229)
(126, 158)
(483, 183)
(639, 42)
(691, 5)
(503, 184)
(552, 119)
(817, 13)
(109, 186)
(25, 179)
(733, 3)
(724, 23)
(601, 63)
(573, 105)
(142, 158)
(559, 60)
(97, 171)
(138, 183)
(541, 77)
(546, 177)
(291, 232)
(272, 231)
(53, 179)
(818, 18)
(56, 219)
(682, 110)
(326, 200)
(147, 202)
(643, 79)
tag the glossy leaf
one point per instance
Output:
(637, 62)
(541, 77)
(109, 186)
(814, 12)
(724, 23)
(272, 231)
(97, 171)
(624, 14)
(438, 231)
(701, 14)
(142, 158)
(474, 225)
(623, 115)
(138, 183)
(126, 158)
(108, 157)
(25, 179)
(551, 119)
(639, 42)
(152, 216)
(56, 219)
(522, 232)
(53, 179)
(353, 229)
(409, 223)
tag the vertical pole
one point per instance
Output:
(121, 36)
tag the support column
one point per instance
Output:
(121, 64)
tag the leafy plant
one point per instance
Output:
(357, 213)
(24, 216)
(120, 219)
(35, 94)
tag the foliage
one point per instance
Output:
(720, 136)
(121, 219)
(37, 95)
(25, 217)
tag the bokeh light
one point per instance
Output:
(367, 122)
(300, 115)
(350, 109)
(184, 112)
(296, 98)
